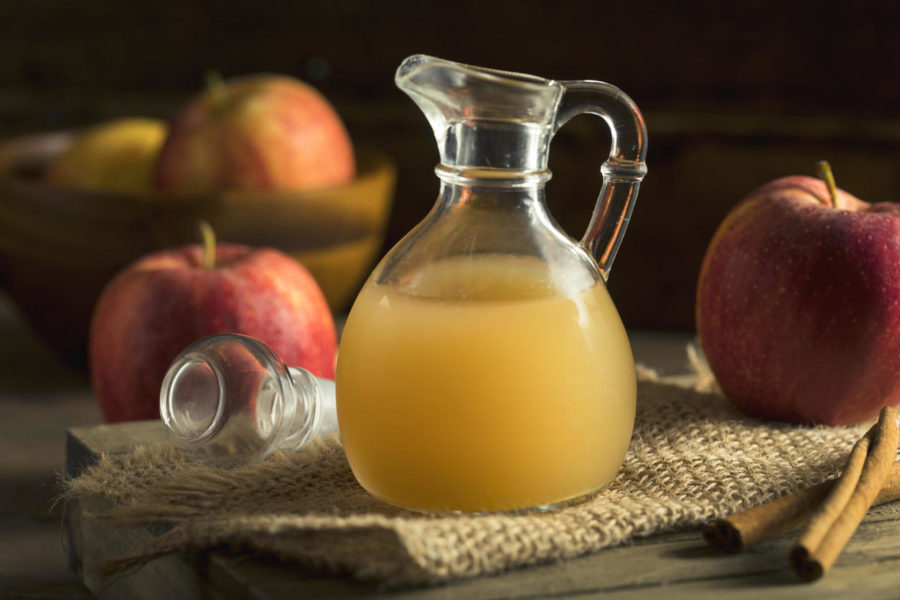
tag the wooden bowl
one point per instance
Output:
(59, 247)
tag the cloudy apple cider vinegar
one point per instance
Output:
(508, 395)
(483, 366)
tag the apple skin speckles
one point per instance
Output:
(798, 304)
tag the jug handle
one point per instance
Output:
(622, 172)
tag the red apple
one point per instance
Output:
(163, 302)
(798, 304)
(256, 132)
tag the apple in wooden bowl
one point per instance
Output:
(59, 245)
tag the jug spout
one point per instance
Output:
(483, 118)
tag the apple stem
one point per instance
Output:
(823, 169)
(209, 245)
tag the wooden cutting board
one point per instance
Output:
(674, 566)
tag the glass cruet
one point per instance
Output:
(483, 366)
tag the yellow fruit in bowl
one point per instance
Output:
(116, 156)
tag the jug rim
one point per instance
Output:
(417, 62)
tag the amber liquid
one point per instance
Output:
(482, 389)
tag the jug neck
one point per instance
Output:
(470, 184)
(520, 148)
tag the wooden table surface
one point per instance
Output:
(40, 400)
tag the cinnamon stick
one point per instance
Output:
(832, 525)
(777, 517)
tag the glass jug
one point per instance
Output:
(483, 366)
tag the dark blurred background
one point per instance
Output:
(734, 94)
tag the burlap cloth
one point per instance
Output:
(692, 458)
